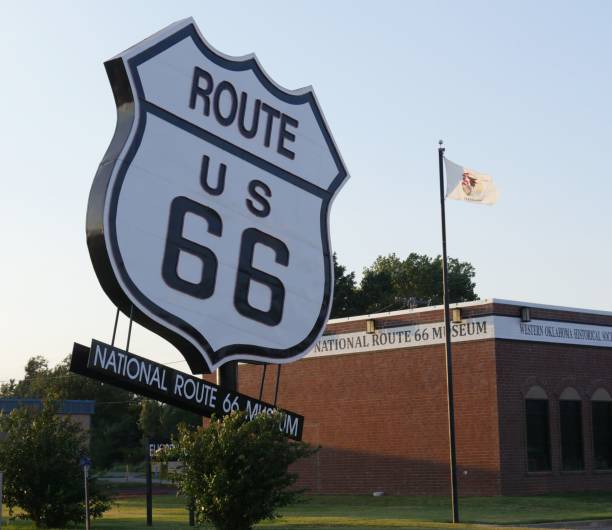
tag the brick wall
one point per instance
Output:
(381, 419)
(553, 367)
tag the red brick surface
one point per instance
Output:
(381, 417)
(553, 367)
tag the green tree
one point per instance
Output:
(346, 297)
(236, 470)
(121, 419)
(39, 454)
(161, 421)
(393, 283)
(35, 379)
(115, 436)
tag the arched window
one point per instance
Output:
(570, 417)
(601, 411)
(538, 432)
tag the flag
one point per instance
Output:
(463, 184)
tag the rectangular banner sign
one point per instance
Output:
(117, 367)
(554, 331)
(402, 337)
(470, 329)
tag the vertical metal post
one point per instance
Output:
(191, 514)
(227, 376)
(85, 475)
(115, 327)
(1, 484)
(449, 359)
(278, 372)
(149, 487)
(263, 379)
(129, 336)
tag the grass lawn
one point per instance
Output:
(370, 513)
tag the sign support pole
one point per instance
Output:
(227, 376)
(149, 486)
(449, 360)
(263, 380)
(86, 476)
(191, 514)
(278, 372)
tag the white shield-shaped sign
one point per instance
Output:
(208, 217)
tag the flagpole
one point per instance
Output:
(449, 360)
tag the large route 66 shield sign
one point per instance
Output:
(208, 216)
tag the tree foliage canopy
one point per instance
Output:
(236, 470)
(121, 420)
(392, 283)
(160, 421)
(346, 301)
(39, 455)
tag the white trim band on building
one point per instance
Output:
(470, 329)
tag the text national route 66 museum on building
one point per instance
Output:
(533, 400)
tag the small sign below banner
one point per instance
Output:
(155, 449)
(159, 445)
(131, 372)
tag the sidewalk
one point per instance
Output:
(131, 478)
(597, 524)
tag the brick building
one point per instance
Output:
(533, 404)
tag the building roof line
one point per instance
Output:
(474, 303)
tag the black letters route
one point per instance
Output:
(204, 89)
(133, 373)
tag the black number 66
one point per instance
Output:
(205, 287)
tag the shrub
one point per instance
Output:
(39, 455)
(236, 471)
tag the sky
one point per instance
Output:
(519, 90)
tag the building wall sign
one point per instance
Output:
(489, 327)
(208, 216)
(402, 337)
(553, 331)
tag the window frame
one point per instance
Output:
(537, 393)
(570, 395)
(601, 395)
